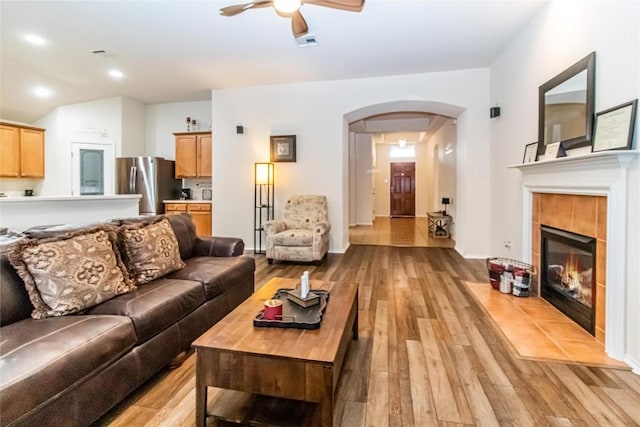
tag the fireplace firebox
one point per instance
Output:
(568, 264)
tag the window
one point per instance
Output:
(91, 172)
(92, 168)
(396, 151)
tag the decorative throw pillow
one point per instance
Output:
(151, 250)
(69, 273)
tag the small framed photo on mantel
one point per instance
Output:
(283, 148)
(614, 127)
(553, 151)
(530, 153)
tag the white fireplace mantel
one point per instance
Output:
(600, 174)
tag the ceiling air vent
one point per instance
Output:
(308, 40)
(102, 53)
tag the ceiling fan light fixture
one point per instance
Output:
(286, 7)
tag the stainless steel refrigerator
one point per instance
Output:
(152, 177)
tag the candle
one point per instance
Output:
(273, 309)
(304, 286)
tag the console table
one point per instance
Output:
(439, 225)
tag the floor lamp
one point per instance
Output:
(264, 180)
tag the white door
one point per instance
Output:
(93, 167)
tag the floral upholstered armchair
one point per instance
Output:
(303, 232)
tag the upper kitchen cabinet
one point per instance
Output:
(193, 154)
(21, 151)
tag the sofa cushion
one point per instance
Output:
(14, 300)
(185, 231)
(155, 306)
(42, 358)
(151, 250)
(71, 272)
(217, 275)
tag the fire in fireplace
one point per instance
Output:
(568, 274)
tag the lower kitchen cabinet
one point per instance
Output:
(200, 214)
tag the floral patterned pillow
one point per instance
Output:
(151, 250)
(69, 273)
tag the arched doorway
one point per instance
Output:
(411, 132)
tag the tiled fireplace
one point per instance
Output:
(569, 250)
(585, 195)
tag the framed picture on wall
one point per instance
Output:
(614, 127)
(530, 153)
(283, 148)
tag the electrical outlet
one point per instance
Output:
(507, 244)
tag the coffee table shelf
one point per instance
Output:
(233, 407)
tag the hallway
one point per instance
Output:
(405, 232)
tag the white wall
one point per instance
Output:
(94, 121)
(363, 188)
(315, 113)
(162, 120)
(561, 34)
(133, 128)
(441, 170)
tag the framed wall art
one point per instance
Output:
(614, 127)
(283, 148)
(530, 153)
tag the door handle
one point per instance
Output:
(132, 180)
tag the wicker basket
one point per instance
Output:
(510, 275)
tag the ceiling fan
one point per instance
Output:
(291, 9)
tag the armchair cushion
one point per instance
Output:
(305, 211)
(274, 226)
(293, 237)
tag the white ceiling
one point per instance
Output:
(174, 51)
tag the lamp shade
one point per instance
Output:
(445, 201)
(264, 173)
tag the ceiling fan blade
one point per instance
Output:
(350, 5)
(298, 24)
(239, 8)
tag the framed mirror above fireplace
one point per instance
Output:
(566, 106)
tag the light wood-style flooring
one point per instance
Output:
(427, 355)
(387, 231)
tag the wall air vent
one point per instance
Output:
(308, 40)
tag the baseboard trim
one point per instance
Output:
(633, 363)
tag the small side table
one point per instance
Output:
(439, 225)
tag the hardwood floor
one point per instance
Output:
(427, 354)
(387, 231)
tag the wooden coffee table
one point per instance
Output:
(284, 363)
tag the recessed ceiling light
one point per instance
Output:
(35, 39)
(116, 74)
(42, 92)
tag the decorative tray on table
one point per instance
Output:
(294, 315)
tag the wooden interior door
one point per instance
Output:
(403, 189)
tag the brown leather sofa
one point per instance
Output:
(70, 370)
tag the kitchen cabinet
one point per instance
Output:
(21, 151)
(200, 214)
(193, 154)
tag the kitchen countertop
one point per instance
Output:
(186, 201)
(68, 198)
